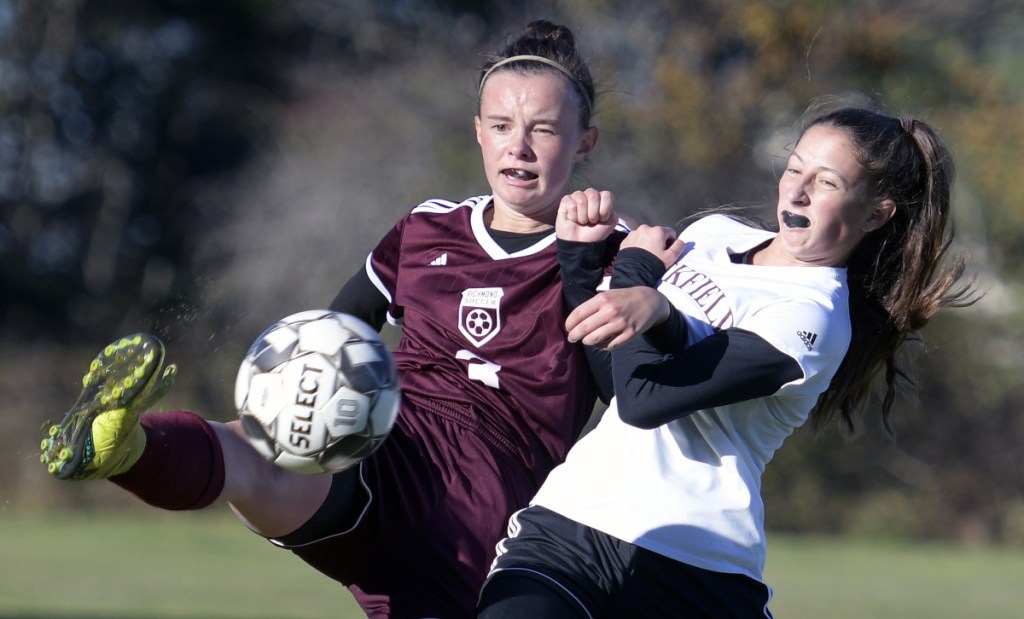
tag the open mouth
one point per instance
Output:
(792, 220)
(518, 174)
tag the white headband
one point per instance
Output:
(543, 60)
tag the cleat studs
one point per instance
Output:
(65, 454)
(55, 467)
(109, 350)
(54, 430)
(95, 365)
(128, 382)
(116, 392)
(44, 446)
(139, 372)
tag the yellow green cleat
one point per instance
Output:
(100, 436)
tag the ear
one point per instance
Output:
(476, 127)
(881, 213)
(587, 145)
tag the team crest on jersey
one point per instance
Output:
(480, 314)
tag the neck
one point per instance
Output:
(771, 255)
(507, 220)
(774, 255)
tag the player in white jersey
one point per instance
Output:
(493, 393)
(657, 512)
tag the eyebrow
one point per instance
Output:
(505, 117)
(846, 182)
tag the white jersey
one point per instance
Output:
(690, 489)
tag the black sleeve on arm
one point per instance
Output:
(360, 298)
(639, 267)
(600, 362)
(729, 366)
(636, 267)
(582, 266)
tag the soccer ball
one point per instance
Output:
(317, 392)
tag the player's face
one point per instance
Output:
(824, 208)
(530, 138)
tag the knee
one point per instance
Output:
(510, 595)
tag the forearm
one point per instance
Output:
(638, 267)
(733, 365)
(583, 267)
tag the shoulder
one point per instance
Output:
(817, 295)
(442, 206)
(719, 224)
(814, 331)
(442, 213)
(715, 237)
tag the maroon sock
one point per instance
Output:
(182, 466)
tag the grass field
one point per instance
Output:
(148, 565)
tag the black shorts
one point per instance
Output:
(553, 567)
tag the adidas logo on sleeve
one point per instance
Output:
(808, 338)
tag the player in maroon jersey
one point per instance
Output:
(493, 394)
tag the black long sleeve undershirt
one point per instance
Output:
(656, 378)
(638, 267)
(731, 365)
(582, 266)
(360, 298)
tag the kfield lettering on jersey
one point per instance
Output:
(704, 292)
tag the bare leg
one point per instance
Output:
(266, 498)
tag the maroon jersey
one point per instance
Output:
(484, 327)
(493, 397)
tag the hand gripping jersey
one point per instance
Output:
(690, 489)
(484, 327)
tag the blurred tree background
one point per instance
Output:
(200, 169)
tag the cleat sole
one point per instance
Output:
(125, 375)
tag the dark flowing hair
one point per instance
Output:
(900, 275)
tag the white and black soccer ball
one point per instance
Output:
(317, 392)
